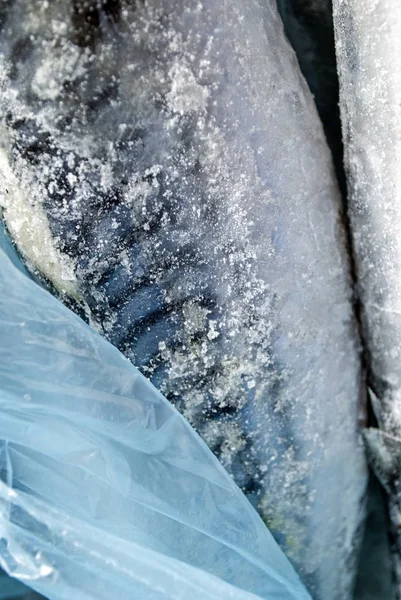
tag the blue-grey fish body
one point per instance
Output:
(368, 44)
(171, 157)
(308, 25)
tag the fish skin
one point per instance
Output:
(308, 25)
(178, 157)
(375, 571)
(368, 42)
(384, 453)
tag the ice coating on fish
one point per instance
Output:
(368, 42)
(308, 24)
(177, 155)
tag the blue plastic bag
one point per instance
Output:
(12, 589)
(106, 491)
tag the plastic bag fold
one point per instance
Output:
(106, 491)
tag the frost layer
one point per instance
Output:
(183, 170)
(368, 43)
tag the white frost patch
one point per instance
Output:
(186, 94)
(212, 333)
(30, 230)
(57, 66)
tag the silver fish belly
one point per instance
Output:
(171, 156)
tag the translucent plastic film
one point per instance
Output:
(106, 492)
(12, 589)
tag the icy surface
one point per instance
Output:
(308, 24)
(105, 490)
(183, 171)
(368, 44)
(29, 228)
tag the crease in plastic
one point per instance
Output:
(106, 491)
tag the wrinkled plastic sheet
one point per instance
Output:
(105, 490)
(12, 589)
